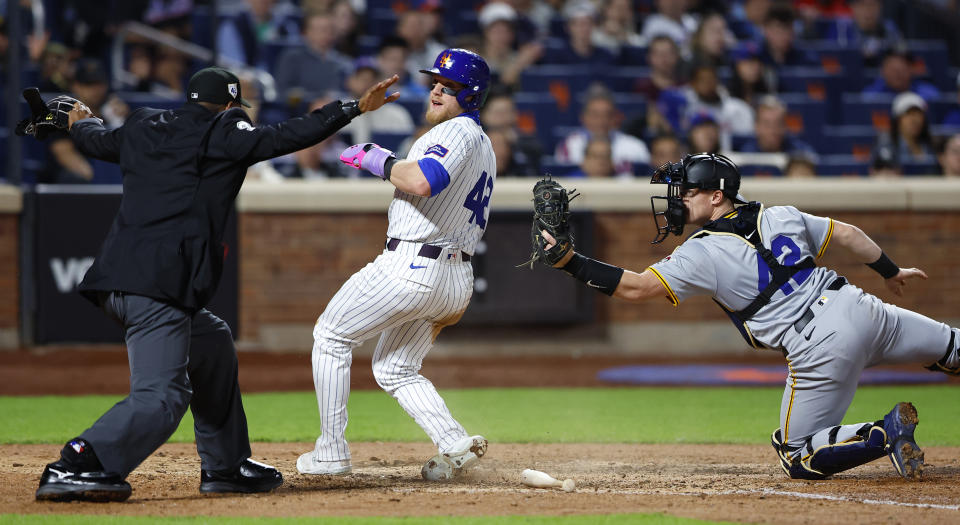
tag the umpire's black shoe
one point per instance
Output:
(61, 482)
(250, 476)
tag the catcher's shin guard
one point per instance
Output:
(867, 445)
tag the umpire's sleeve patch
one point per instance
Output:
(437, 150)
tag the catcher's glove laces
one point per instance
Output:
(551, 213)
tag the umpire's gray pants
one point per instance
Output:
(176, 359)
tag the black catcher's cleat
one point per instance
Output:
(61, 482)
(250, 476)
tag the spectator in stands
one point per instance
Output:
(748, 18)
(497, 21)
(711, 41)
(704, 134)
(320, 161)
(499, 114)
(503, 152)
(394, 118)
(770, 130)
(579, 48)
(896, 77)
(949, 156)
(617, 27)
(169, 71)
(705, 94)
(64, 162)
(54, 69)
(303, 73)
(663, 149)
(533, 19)
(599, 119)
(801, 166)
(598, 160)
(243, 35)
(433, 17)
(663, 57)
(866, 30)
(779, 41)
(414, 27)
(264, 170)
(751, 77)
(347, 28)
(671, 19)
(909, 138)
(392, 60)
(883, 162)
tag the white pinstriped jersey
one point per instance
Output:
(457, 216)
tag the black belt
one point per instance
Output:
(807, 316)
(427, 250)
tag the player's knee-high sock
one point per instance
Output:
(331, 378)
(950, 363)
(396, 366)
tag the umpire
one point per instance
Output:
(159, 266)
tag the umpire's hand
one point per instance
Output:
(374, 98)
(80, 111)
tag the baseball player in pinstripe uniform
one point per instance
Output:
(422, 281)
(758, 264)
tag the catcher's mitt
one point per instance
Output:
(551, 213)
(46, 117)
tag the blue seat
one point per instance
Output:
(136, 100)
(631, 56)
(380, 21)
(389, 140)
(624, 79)
(933, 58)
(867, 110)
(547, 115)
(558, 169)
(848, 140)
(760, 170)
(806, 116)
(842, 165)
(919, 168)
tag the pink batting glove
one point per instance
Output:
(368, 156)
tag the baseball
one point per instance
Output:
(569, 485)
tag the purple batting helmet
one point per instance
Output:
(467, 68)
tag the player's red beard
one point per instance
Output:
(446, 110)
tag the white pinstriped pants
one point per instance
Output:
(407, 299)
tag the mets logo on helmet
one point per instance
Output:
(446, 61)
(232, 89)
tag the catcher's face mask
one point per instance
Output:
(674, 217)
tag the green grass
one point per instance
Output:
(521, 415)
(606, 519)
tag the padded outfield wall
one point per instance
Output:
(301, 240)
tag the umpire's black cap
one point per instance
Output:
(216, 85)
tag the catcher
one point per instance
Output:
(758, 264)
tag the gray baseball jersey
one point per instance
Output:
(829, 331)
(730, 270)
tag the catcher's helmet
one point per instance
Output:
(467, 68)
(710, 171)
(706, 171)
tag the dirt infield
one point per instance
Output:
(723, 482)
(740, 483)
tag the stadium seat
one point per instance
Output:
(137, 99)
(389, 140)
(633, 56)
(932, 61)
(806, 116)
(856, 141)
(546, 114)
(842, 165)
(867, 110)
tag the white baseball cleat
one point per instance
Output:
(462, 455)
(308, 464)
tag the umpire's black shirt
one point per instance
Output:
(182, 170)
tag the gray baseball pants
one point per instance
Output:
(176, 359)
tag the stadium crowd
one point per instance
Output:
(605, 88)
